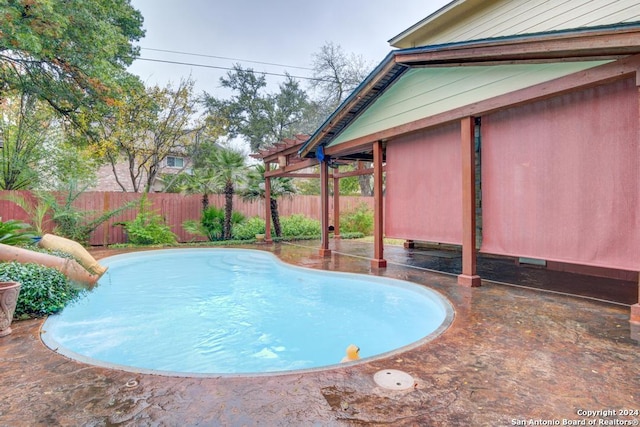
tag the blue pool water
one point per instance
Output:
(234, 311)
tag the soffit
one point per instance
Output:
(424, 92)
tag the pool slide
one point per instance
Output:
(69, 267)
(50, 241)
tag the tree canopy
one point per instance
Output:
(68, 53)
(259, 117)
(336, 74)
(146, 127)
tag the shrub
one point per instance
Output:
(300, 225)
(14, 233)
(148, 227)
(360, 220)
(355, 235)
(213, 222)
(248, 229)
(44, 290)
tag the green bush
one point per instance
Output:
(355, 235)
(299, 225)
(44, 290)
(213, 222)
(14, 233)
(248, 229)
(148, 227)
(360, 220)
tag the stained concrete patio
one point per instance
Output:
(512, 355)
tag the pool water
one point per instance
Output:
(234, 311)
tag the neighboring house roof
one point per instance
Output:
(463, 20)
(427, 82)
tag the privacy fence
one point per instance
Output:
(174, 208)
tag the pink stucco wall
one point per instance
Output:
(424, 187)
(561, 178)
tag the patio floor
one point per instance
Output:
(512, 356)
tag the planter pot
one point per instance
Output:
(260, 238)
(8, 298)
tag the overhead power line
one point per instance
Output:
(227, 58)
(228, 68)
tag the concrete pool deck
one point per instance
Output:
(512, 355)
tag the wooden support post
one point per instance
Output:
(267, 204)
(635, 314)
(324, 206)
(469, 276)
(635, 309)
(336, 208)
(378, 260)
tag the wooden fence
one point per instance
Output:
(174, 208)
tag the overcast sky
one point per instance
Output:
(284, 32)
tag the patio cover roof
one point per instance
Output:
(422, 92)
(410, 85)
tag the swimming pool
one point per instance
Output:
(238, 311)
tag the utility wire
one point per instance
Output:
(227, 58)
(229, 68)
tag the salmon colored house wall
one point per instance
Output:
(561, 178)
(424, 187)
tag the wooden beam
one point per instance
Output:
(347, 108)
(378, 260)
(356, 172)
(469, 275)
(601, 44)
(300, 175)
(292, 168)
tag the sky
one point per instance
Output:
(282, 32)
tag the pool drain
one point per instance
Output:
(131, 384)
(393, 379)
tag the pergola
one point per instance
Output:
(282, 160)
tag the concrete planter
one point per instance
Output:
(9, 292)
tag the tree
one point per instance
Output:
(229, 170)
(262, 118)
(145, 128)
(336, 74)
(200, 181)
(67, 53)
(24, 126)
(36, 153)
(280, 187)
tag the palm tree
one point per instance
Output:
(280, 187)
(200, 181)
(229, 170)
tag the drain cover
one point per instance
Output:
(393, 379)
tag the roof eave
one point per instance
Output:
(372, 83)
(601, 42)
